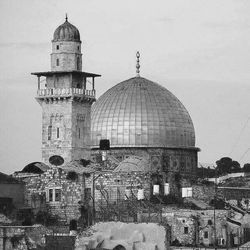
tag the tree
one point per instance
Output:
(226, 165)
(246, 167)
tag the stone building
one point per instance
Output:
(61, 191)
(138, 116)
(65, 98)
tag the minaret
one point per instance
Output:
(65, 99)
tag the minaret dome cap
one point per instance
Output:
(66, 32)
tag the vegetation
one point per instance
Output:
(218, 203)
(176, 243)
(46, 219)
(235, 182)
(15, 240)
(72, 176)
(246, 167)
(226, 165)
(223, 166)
(84, 162)
(165, 199)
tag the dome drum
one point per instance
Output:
(174, 160)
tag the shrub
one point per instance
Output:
(46, 218)
(72, 175)
(15, 240)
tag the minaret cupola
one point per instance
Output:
(66, 48)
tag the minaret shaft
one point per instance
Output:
(65, 100)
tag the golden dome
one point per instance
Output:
(140, 113)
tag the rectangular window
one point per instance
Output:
(50, 194)
(206, 235)
(185, 230)
(57, 133)
(57, 47)
(49, 132)
(57, 194)
(57, 62)
(79, 133)
(87, 194)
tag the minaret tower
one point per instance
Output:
(64, 98)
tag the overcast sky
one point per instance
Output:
(197, 49)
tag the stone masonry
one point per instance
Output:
(70, 193)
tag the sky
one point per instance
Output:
(197, 49)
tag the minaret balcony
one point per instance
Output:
(65, 93)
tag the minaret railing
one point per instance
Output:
(65, 92)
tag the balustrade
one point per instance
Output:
(65, 92)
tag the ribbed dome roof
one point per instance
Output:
(141, 113)
(66, 32)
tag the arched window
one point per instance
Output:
(49, 132)
(57, 62)
(78, 63)
(57, 133)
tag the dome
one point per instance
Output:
(35, 168)
(141, 113)
(66, 32)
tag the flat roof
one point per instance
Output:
(50, 73)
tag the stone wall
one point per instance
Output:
(72, 192)
(204, 192)
(182, 225)
(56, 114)
(116, 185)
(174, 166)
(15, 191)
(65, 128)
(22, 237)
(67, 52)
(181, 161)
(234, 193)
(188, 227)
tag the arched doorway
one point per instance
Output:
(119, 247)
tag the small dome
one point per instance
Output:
(35, 168)
(141, 113)
(66, 32)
